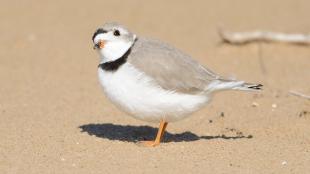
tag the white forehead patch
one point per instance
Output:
(104, 36)
(99, 37)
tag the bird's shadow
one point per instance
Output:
(129, 133)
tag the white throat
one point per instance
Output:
(114, 50)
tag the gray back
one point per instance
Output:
(170, 68)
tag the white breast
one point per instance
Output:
(136, 94)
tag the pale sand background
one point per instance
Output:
(49, 89)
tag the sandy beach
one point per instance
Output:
(54, 117)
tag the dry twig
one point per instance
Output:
(298, 94)
(266, 36)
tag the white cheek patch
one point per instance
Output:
(114, 50)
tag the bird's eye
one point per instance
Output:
(117, 33)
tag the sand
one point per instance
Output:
(54, 117)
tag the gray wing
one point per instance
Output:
(170, 68)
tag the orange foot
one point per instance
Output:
(148, 143)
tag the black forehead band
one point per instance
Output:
(99, 31)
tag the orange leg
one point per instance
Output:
(159, 136)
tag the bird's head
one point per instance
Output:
(112, 40)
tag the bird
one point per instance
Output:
(154, 81)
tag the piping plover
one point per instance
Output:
(153, 81)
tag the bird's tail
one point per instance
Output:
(221, 84)
(249, 87)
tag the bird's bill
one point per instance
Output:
(99, 45)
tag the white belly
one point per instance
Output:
(136, 94)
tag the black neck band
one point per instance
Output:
(114, 65)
